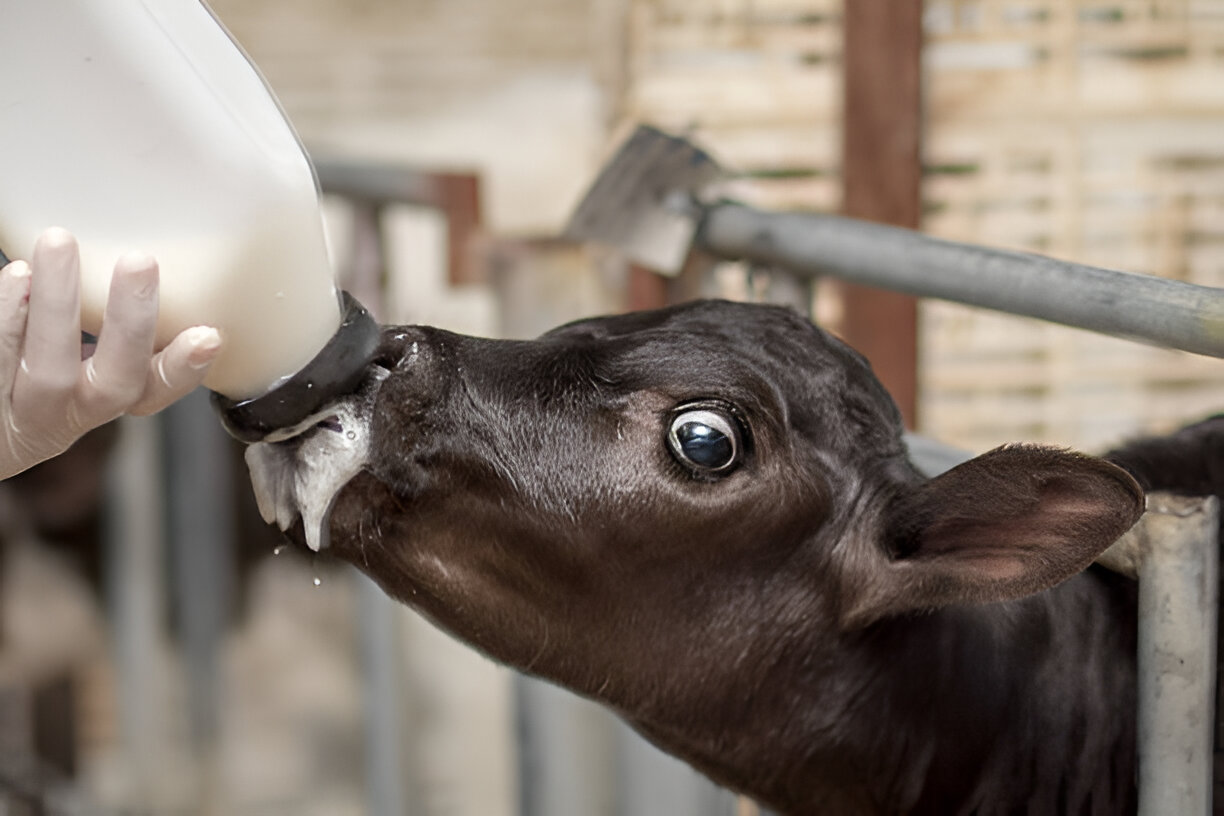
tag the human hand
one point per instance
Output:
(49, 395)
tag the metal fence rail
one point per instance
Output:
(1137, 307)
(1178, 599)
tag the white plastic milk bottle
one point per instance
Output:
(139, 124)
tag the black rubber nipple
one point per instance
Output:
(335, 371)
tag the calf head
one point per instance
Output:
(666, 510)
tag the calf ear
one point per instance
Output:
(1007, 524)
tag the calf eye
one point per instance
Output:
(705, 439)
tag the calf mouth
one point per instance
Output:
(298, 472)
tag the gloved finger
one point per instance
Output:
(178, 368)
(116, 373)
(51, 356)
(14, 305)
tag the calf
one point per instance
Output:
(705, 518)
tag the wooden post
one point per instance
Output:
(459, 199)
(373, 186)
(646, 289)
(881, 176)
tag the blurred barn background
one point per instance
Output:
(142, 673)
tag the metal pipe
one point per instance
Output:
(381, 690)
(136, 560)
(566, 752)
(200, 522)
(1178, 589)
(650, 781)
(1137, 307)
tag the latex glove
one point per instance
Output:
(49, 396)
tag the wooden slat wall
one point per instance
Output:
(758, 82)
(512, 90)
(346, 63)
(1092, 131)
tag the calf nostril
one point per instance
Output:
(331, 423)
(389, 359)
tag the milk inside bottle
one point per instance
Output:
(139, 124)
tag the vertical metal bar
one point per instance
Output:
(528, 754)
(366, 276)
(652, 783)
(200, 508)
(381, 691)
(566, 758)
(18, 771)
(134, 543)
(1178, 592)
(781, 286)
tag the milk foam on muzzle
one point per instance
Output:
(139, 124)
(302, 474)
